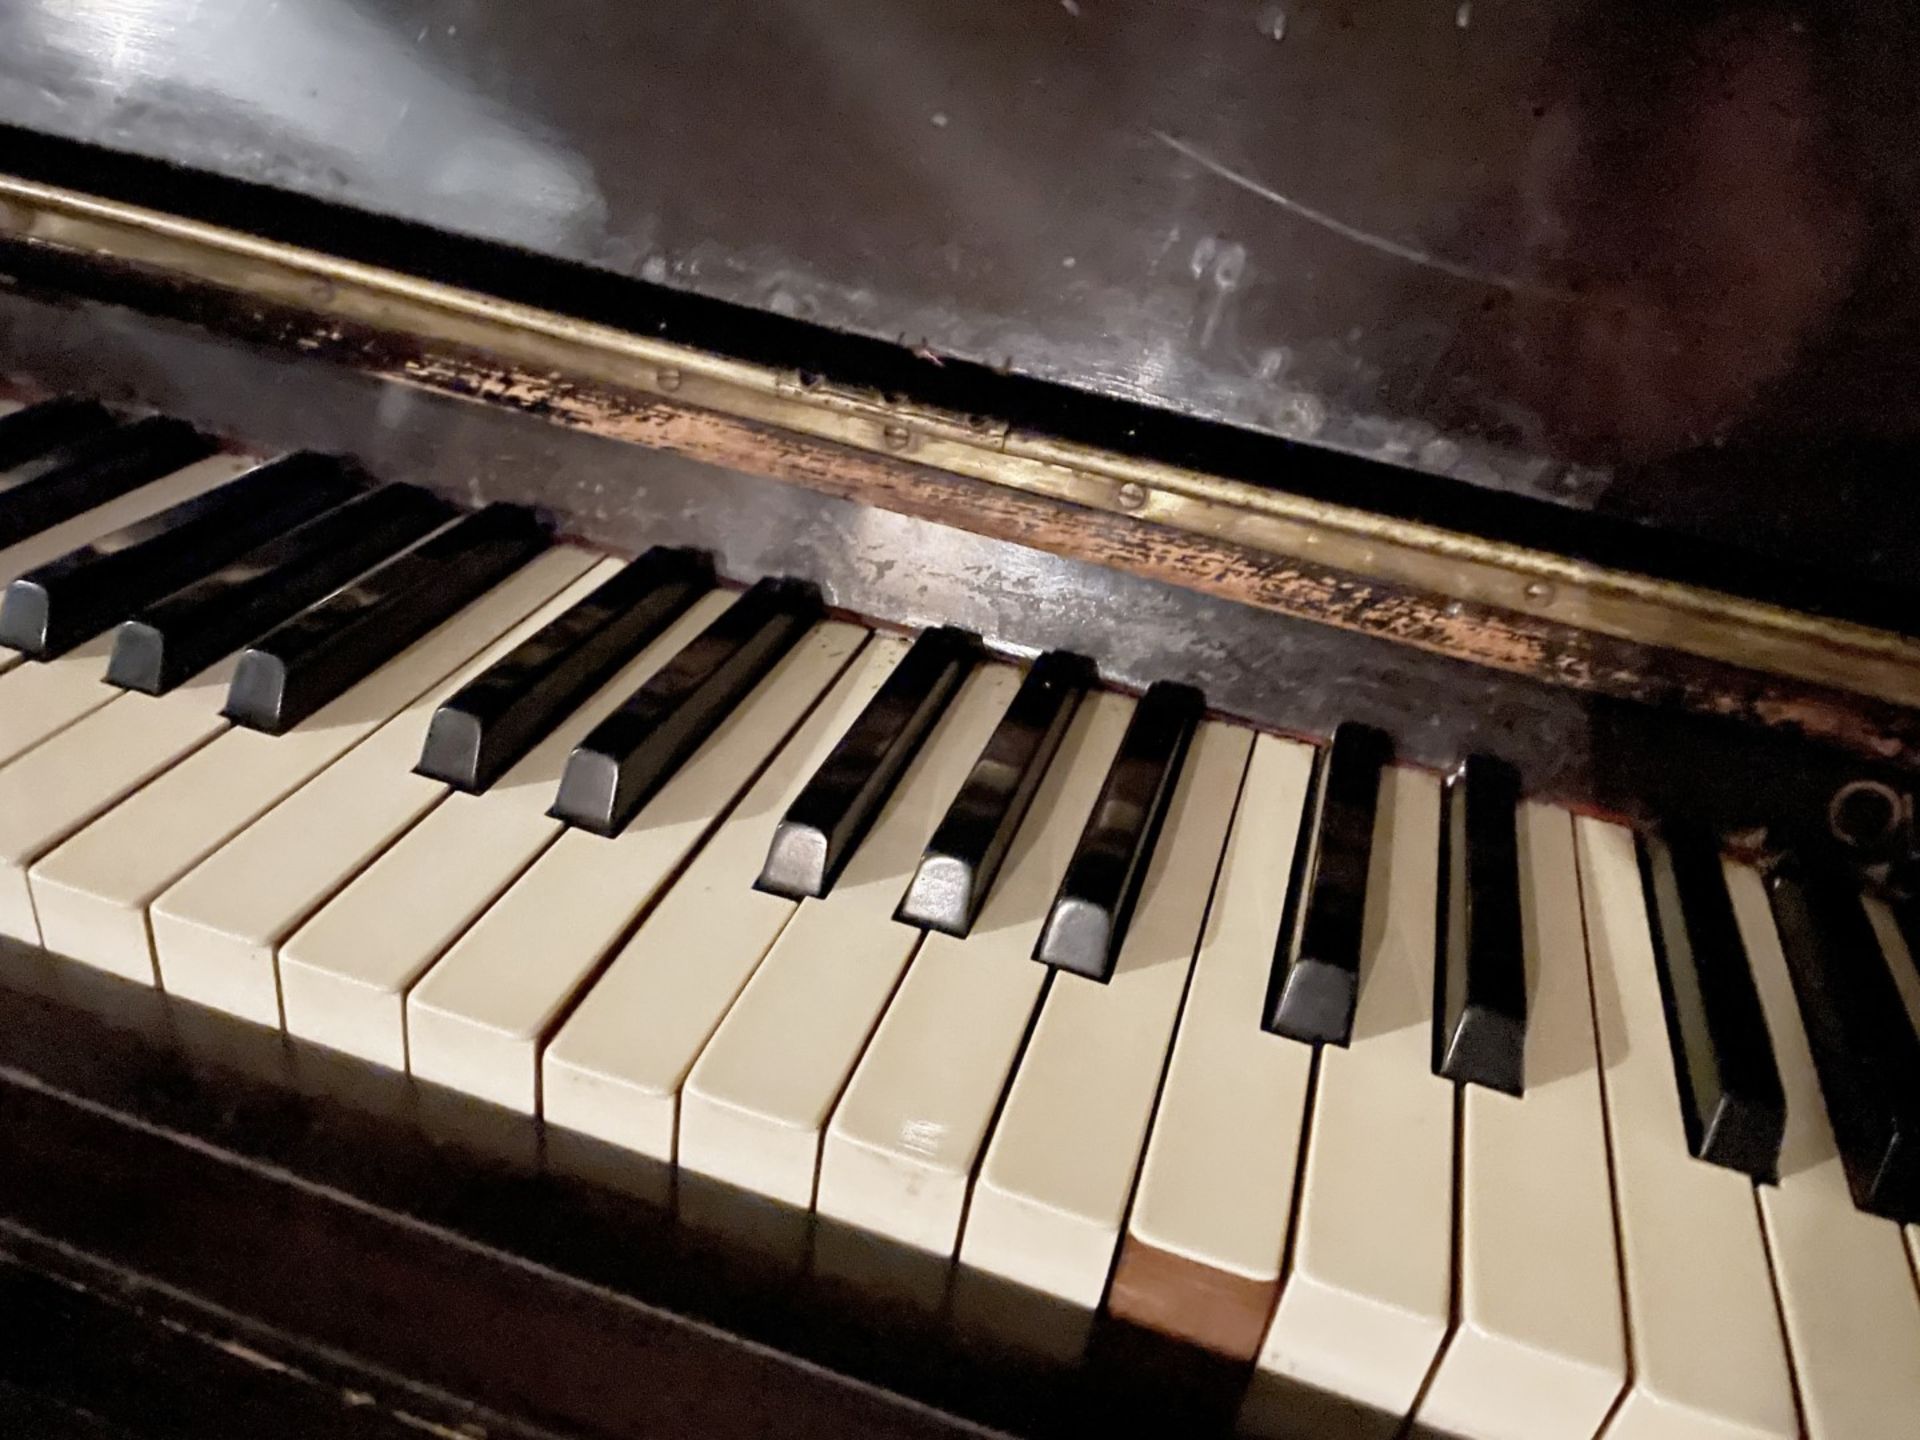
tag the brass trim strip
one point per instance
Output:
(1419, 557)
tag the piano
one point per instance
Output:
(647, 788)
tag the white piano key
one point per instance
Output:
(1366, 1302)
(1209, 1225)
(137, 505)
(216, 931)
(1906, 978)
(1843, 1277)
(345, 973)
(765, 1086)
(92, 892)
(615, 1068)
(91, 765)
(1051, 1199)
(906, 1137)
(1704, 1338)
(40, 699)
(475, 1022)
(1539, 1350)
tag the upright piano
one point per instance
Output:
(1048, 718)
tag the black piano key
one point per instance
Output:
(477, 733)
(957, 871)
(73, 478)
(180, 635)
(1480, 1020)
(1087, 922)
(53, 608)
(1315, 983)
(300, 665)
(634, 751)
(36, 429)
(834, 811)
(1730, 1097)
(1864, 1047)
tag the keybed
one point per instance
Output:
(1403, 1088)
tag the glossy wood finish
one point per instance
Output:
(1476, 260)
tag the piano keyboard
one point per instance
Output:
(1410, 1090)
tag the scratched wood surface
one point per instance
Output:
(1482, 636)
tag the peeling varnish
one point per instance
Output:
(1539, 650)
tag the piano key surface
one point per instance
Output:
(1357, 1316)
(95, 762)
(344, 975)
(1209, 1225)
(476, 1020)
(1316, 961)
(957, 872)
(615, 1069)
(1135, 1147)
(222, 609)
(303, 663)
(217, 931)
(1051, 1198)
(827, 820)
(1692, 1252)
(54, 606)
(1481, 1036)
(497, 716)
(763, 1089)
(1539, 1345)
(1723, 1056)
(40, 699)
(1847, 1298)
(906, 1138)
(59, 483)
(92, 893)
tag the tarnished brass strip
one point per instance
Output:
(1426, 558)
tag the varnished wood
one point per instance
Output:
(1203, 1304)
(645, 413)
